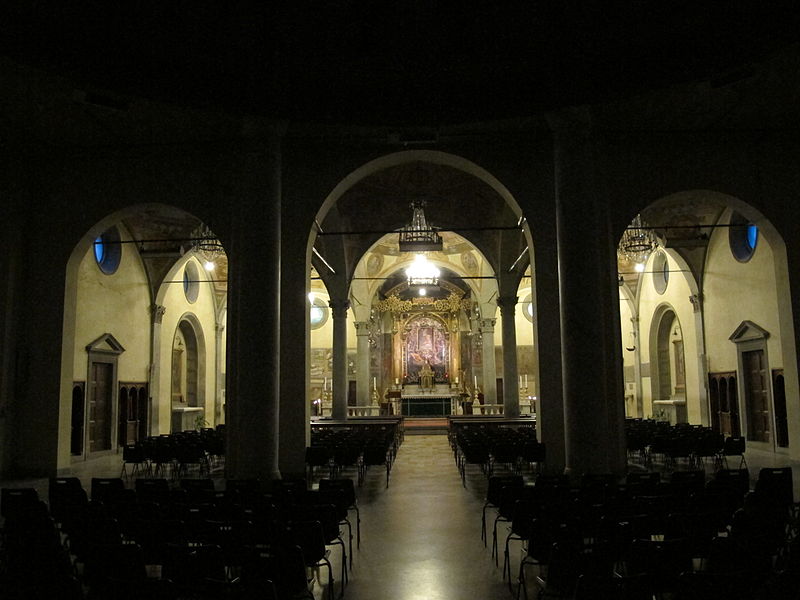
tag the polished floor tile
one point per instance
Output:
(421, 536)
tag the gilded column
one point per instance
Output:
(398, 338)
(455, 349)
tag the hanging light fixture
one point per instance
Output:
(638, 241)
(422, 272)
(419, 235)
(207, 246)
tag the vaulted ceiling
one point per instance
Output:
(411, 61)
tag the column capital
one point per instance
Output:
(362, 327)
(696, 301)
(487, 325)
(158, 311)
(507, 303)
(339, 307)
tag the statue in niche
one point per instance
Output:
(426, 376)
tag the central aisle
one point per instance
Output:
(421, 538)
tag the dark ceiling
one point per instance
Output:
(421, 61)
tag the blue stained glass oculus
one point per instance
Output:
(752, 236)
(742, 237)
(108, 251)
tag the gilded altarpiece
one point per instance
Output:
(426, 340)
(424, 330)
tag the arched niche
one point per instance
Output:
(667, 366)
(188, 374)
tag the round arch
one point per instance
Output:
(141, 302)
(711, 210)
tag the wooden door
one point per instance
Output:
(100, 399)
(713, 399)
(733, 404)
(76, 437)
(779, 400)
(756, 396)
(144, 400)
(122, 416)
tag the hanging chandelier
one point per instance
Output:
(419, 236)
(422, 272)
(206, 245)
(638, 241)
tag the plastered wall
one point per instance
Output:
(201, 315)
(651, 307)
(734, 292)
(118, 304)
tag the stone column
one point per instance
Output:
(592, 363)
(157, 315)
(253, 382)
(508, 308)
(362, 364)
(219, 367)
(339, 313)
(489, 367)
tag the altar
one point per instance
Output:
(440, 401)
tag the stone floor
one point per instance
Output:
(420, 537)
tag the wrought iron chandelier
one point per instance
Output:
(419, 235)
(207, 246)
(638, 241)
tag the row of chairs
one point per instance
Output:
(336, 449)
(246, 540)
(681, 444)
(491, 447)
(175, 455)
(646, 530)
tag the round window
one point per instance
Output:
(108, 251)
(743, 237)
(660, 272)
(527, 307)
(318, 313)
(191, 281)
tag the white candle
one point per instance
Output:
(396, 381)
(374, 384)
(526, 380)
(325, 384)
(475, 377)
